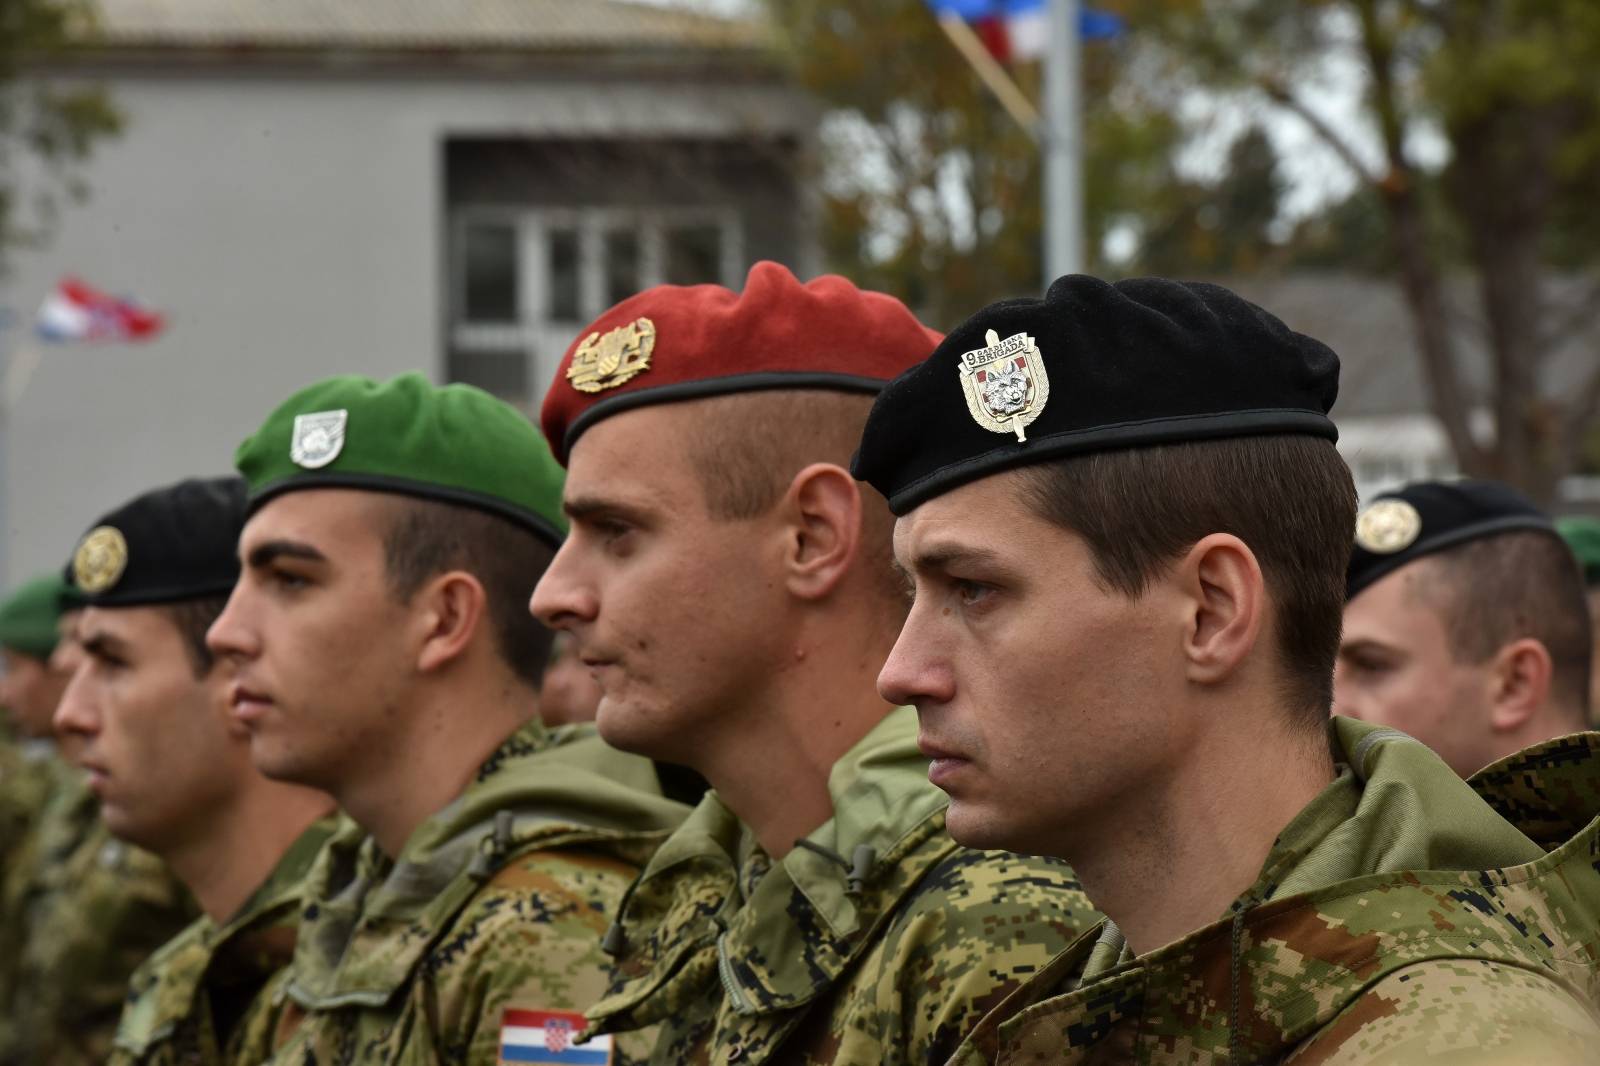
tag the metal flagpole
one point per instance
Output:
(1063, 145)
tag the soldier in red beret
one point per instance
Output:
(730, 586)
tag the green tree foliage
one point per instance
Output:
(1511, 88)
(48, 125)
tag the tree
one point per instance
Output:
(1511, 88)
(930, 190)
(47, 123)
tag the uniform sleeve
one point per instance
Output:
(529, 941)
(980, 924)
(1464, 1012)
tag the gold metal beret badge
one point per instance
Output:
(101, 558)
(1388, 526)
(604, 361)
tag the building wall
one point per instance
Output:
(292, 227)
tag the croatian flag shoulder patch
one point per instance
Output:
(546, 1036)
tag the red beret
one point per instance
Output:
(676, 342)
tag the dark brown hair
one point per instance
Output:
(1496, 590)
(427, 538)
(193, 618)
(1290, 498)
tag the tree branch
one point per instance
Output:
(1280, 94)
(1583, 311)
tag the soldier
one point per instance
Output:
(1127, 527)
(30, 686)
(172, 770)
(729, 584)
(1582, 535)
(384, 654)
(1465, 626)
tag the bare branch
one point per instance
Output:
(1341, 146)
(1584, 311)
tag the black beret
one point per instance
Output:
(1092, 366)
(1428, 516)
(175, 543)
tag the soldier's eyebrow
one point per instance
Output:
(592, 508)
(269, 552)
(1365, 646)
(943, 557)
(104, 646)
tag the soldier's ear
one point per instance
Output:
(1519, 676)
(1225, 596)
(822, 531)
(448, 612)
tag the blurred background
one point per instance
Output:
(206, 204)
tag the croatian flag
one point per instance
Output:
(1020, 29)
(546, 1036)
(75, 312)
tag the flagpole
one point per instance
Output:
(990, 72)
(1063, 145)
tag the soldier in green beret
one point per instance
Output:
(30, 773)
(81, 909)
(1128, 526)
(172, 772)
(384, 654)
(730, 586)
(1582, 534)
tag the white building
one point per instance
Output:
(308, 187)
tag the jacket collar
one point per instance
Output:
(370, 921)
(779, 938)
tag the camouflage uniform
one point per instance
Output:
(496, 903)
(884, 945)
(92, 908)
(1401, 918)
(198, 998)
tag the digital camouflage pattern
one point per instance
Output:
(92, 909)
(30, 774)
(199, 998)
(498, 902)
(883, 945)
(1404, 917)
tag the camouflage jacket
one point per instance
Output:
(30, 776)
(1401, 918)
(881, 942)
(495, 906)
(92, 909)
(195, 999)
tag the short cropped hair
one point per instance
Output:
(1290, 498)
(1496, 590)
(192, 618)
(750, 445)
(427, 538)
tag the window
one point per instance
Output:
(694, 255)
(562, 302)
(489, 268)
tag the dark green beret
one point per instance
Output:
(29, 615)
(1402, 526)
(180, 542)
(453, 443)
(1091, 367)
(1582, 535)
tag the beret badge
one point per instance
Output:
(1005, 383)
(1388, 526)
(606, 360)
(101, 558)
(318, 438)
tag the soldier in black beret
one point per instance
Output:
(172, 772)
(1466, 625)
(1125, 529)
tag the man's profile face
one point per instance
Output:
(1396, 668)
(1043, 697)
(29, 690)
(317, 639)
(674, 612)
(157, 742)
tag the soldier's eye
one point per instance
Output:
(973, 593)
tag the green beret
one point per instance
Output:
(452, 443)
(1582, 535)
(29, 615)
